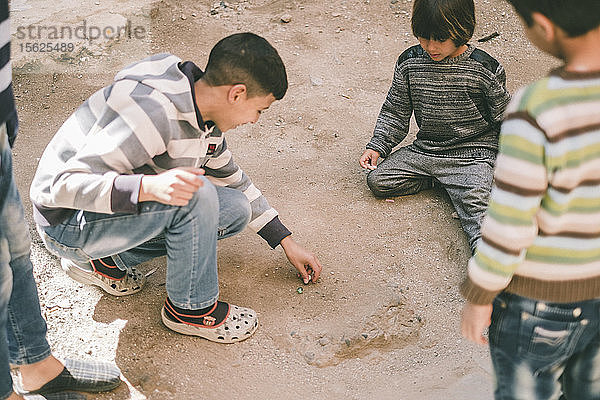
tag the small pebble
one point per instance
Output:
(286, 18)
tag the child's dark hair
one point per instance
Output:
(444, 19)
(575, 17)
(246, 58)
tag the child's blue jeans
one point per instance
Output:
(22, 328)
(545, 350)
(187, 235)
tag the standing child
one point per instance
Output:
(141, 170)
(458, 97)
(536, 271)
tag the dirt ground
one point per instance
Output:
(382, 323)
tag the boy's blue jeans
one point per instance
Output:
(187, 235)
(22, 328)
(545, 350)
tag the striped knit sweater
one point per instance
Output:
(541, 233)
(8, 112)
(458, 104)
(145, 122)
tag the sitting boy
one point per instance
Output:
(142, 169)
(458, 96)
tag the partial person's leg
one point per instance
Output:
(26, 329)
(468, 183)
(234, 214)
(401, 173)
(581, 379)
(5, 291)
(5, 270)
(23, 327)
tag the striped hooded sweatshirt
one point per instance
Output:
(541, 233)
(145, 122)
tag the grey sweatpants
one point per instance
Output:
(467, 181)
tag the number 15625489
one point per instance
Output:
(46, 47)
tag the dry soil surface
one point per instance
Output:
(382, 323)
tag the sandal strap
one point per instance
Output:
(214, 318)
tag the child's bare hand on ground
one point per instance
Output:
(475, 319)
(174, 187)
(306, 263)
(368, 160)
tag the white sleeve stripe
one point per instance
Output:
(229, 179)
(4, 32)
(5, 77)
(252, 193)
(221, 161)
(258, 223)
(96, 103)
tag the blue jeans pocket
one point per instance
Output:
(544, 339)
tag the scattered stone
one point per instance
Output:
(336, 14)
(488, 37)
(324, 341)
(316, 81)
(183, 17)
(455, 215)
(309, 356)
(286, 18)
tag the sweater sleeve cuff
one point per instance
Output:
(274, 232)
(125, 193)
(382, 150)
(476, 294)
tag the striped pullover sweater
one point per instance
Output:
(541, 233)
(145, 122)
(8, 112)
(458, 104)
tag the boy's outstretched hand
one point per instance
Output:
(475, 318)
(305, 262)
(368, 159)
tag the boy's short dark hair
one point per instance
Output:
(246, 58)
(444, 19)
(575, 17)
